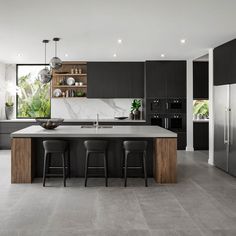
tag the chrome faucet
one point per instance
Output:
(97, 121)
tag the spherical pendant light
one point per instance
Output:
(44, 75)
(56, 62)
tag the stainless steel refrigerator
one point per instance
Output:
(225, 128)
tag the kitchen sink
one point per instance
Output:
(99, 127)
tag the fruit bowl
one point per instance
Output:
(50, 123)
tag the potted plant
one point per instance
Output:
(135, 112)
(9, 108)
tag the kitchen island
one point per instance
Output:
(27, 150)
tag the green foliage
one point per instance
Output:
(200, 107)
(9, 102)
(136, 104)
(33, 98)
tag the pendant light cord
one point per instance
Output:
(55, 48)
(45, 55)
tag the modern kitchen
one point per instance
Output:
(117, 118)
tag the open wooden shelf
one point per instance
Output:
(68, 91)
(70, 86)
(67, 74)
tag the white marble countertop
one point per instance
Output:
(201, 120)
(72, 131)
(79, 120)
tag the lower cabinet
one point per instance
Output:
(200, 135)
(181, 141)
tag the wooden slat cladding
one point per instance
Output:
(165, 160)
(21, 160)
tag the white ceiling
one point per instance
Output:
(90, 28)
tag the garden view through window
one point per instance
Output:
(33, 97)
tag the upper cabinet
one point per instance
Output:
(200, 80)
(225, 63)
(166, 79)
(115, 79)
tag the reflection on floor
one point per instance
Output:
(202, 203)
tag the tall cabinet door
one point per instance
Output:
(221, 104)
(232, 152)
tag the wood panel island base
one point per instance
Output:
(27, 150)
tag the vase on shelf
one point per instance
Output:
(9, 111)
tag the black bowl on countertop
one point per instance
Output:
(121, 117)
(50, 123)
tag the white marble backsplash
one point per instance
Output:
(83, 108)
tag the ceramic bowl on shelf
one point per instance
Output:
(57, 93)
(70, 81)
(50, 123)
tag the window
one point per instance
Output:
(201, 109)
(33, 97)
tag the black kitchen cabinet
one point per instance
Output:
(166, 79)
(156, 79)
(225, 63)
(200, 135)
(200, 80)
(115, 80)
(176, 79)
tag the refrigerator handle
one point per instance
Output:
(167, 123)
(225, 129)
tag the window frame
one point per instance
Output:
(17, 97)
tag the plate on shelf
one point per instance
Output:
(121, 117)
(57, 93)
(70, 81)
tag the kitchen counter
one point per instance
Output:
(36, 131)
(79, 121)
(27, 150)
(201, 120)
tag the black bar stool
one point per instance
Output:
(95, 146)
(57, 147)
(135, 147)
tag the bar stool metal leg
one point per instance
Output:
(68, 163)
(126, 160)
(64, 169)
(44, 168)
(86, 168)
(105, 167)
(145, 168)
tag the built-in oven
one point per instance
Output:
(173, 122)
(176, 122)
(157, 105)
(158, 119)
(176, 105)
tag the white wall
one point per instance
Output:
(189, 146)
(211, 111)
(2, 90)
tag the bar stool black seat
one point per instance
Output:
(56, 147)
(135, 147)
(95, 146)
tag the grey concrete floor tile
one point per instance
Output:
(176, 233)
(201, 203)
(119, 209)
(116, 232)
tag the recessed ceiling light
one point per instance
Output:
(66, 55)
(119, 41)
(114, 55)
(162, 55)
(183, 41)
(19, 54)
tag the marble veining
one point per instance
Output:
(83, 108)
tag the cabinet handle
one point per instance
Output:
(167, 106)
(225, 121)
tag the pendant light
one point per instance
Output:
(45, 75)
(56, 62)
